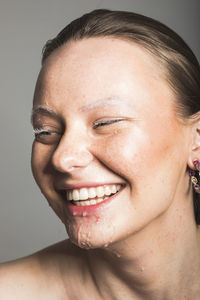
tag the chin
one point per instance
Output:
(84, 244)
(90, 237)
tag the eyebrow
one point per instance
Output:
(43, 110)
(104, 102)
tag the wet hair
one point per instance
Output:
(181, 68)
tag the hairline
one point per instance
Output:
(154, 53)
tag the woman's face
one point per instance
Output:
(105, 121)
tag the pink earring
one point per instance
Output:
(195, 176)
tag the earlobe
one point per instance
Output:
(195, 176)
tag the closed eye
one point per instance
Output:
(47, 136)
(100, 123)
(39, 132)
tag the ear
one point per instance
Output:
(194, 153)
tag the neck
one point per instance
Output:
(161, 261)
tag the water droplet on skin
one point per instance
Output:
(79, 235)
(110, 241)
(83, 237)
(118, 255)
(97, 220)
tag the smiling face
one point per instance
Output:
(106, 127)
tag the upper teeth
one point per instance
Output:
(93, 192)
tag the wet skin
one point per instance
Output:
(90, 81)
(103, 114)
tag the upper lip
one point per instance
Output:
(87, 185)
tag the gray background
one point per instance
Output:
(27, 224)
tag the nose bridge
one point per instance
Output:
(72, 152)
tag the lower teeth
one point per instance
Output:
(89, 202)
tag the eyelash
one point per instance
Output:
(39, 132)
(104, 123)
(43, 132)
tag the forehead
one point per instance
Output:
(98, 68)
(102, 53)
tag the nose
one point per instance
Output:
(71, 154)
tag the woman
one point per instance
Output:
(116, 122)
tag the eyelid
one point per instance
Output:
(106, 121)
(45, 127)
(38, 131)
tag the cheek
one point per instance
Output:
(39, 161)
(34, 161)
(138, 152)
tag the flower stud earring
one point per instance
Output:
(195, 176)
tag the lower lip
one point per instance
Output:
(88, 210)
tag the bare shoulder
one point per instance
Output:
(41, 274)
(18, 278)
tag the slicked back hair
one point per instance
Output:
(181, 68)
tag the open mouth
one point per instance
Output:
(92, 195)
